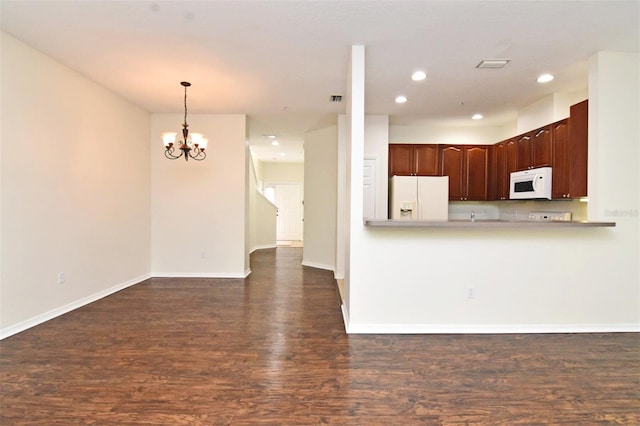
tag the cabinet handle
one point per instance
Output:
(539, 133)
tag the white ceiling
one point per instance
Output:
(280, 61)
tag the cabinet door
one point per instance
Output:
(541, 147)
(400, 160)
(560, 166)
(525, 152)
(426, 160)
(578, 148)
(499, 182)
(524, 157)
(476, 172)
(452, 166)
(512, 159)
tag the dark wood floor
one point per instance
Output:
(271, 349)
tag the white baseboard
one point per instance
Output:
(200, 274)
(337, 276)
(345, 318)
(486, 328)
(39, 319)
(317, 265)
(262, 247)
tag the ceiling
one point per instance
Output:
(280, 61)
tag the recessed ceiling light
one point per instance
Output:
(418, 75)
(493, 63)
(477, 117)
(270, 136)
(545, 78)
(401, 99)
(275, 143)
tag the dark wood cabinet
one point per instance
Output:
(578, 149)
(512, 160)
(483, 172)
(504, 162)
(400, 160)
(476, 169)
(427, 160)
(534, 149)
(524, 159)
(468, 169)
(570, 147)
(541, 147)
(413, 160)
(452, 166)
(560, 187)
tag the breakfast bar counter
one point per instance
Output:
(484, 223)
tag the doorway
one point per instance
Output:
(288, 198)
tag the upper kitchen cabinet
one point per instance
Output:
(534, 149)
(578, 148)
(560, 187)
(570, 140)
(504, 162)
(401, 160)
(468, 169)
(452, 166)
(413, 160)
(541, 147)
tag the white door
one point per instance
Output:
(288, 199)
(369, 188)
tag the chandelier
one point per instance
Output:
(192, 145)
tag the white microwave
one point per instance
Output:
(530, 184)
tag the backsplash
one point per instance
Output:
(519, 210)
(514, 210)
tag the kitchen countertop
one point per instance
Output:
(484, 223)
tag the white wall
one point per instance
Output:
(547, 110)
(320, 198)
(342, 201)
(274, 172)
(198, 207)
(417, 280)
(438, 134)
(355, 119)
(75, 189)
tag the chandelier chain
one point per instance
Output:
(185, 106)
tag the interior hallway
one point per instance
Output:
(271, 349)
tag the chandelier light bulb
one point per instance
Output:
(169, 138)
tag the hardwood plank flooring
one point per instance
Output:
(271, 349)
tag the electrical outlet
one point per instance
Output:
(61, 278)
(471, 293)
(203, 255)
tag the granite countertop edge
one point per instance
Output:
(484, 223)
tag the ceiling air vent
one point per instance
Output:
(335, 98)
(493, 63)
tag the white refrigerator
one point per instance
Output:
(419, 198)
